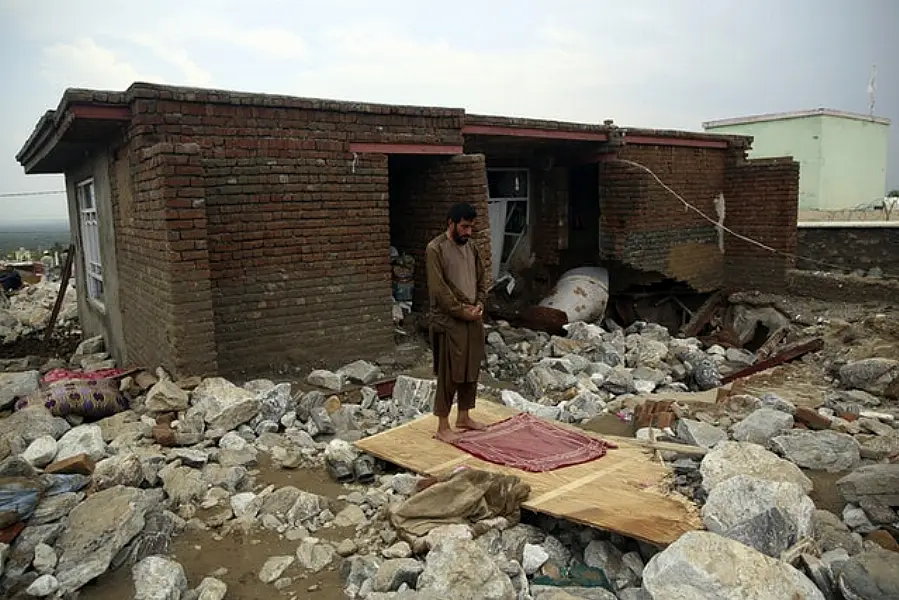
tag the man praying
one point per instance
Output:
(457, 288)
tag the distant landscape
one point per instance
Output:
(33, 235)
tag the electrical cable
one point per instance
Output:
(732, 232)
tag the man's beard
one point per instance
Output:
(459, 239)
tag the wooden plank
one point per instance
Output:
(770, 345)
(702, 316)
(624, 491)
(792, 353)
(60, 296)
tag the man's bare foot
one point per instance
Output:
(469, 424)
(446, 435)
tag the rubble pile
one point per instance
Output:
(82, 497)
(27, 311)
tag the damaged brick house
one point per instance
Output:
(222, 232)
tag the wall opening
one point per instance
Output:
(583, 216)
(508, 206)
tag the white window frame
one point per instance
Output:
(509, 237)
(89, 224)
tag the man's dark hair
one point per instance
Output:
(461, 212)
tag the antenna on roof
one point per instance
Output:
(872, 89)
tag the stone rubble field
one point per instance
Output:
(193, 458)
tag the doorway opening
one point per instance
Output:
(583, 215)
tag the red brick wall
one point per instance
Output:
(646, 228)
(549, 228)
(422, 191)
(297, 225)
(163, 265)
(762, 204)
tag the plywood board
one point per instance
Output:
(624, 491)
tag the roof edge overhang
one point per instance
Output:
(83, 118)
(798, 114)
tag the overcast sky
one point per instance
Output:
(650, 63)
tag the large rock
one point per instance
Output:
(225, 405)
(360, 372)
(41, 451)
(84, 439)
(98, 529)
(32, 423)
(410, 392)
(274, 567)
(762, 425)
(880, 482)
(274, 402)
(17, 385)
(699, 433)
(770, 516)
(729, 459)
(166, 396)
(871, 575)
(459, 569)
(820, 450)
(158, 578)
(395, 572)
(831, 533)
(333, 382)
(513, 399)
(121, 469)
(706, 566)
(211, 589)
(878, 376)
(603, 555)
(542, 380)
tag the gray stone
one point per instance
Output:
(98, 529)
(513, 399)
(394, 573)
(305, 507)
(871, 575)
(158, 578)
(699, 434)
(728, 459)
(459, 569)
(877, 427)
(410, 392)
(820, 450)
(14, 386)
(224, 405)
(398, 550)
(360, 372)
(878, 512)
(831, 533)
(31, 423)
(704, 566)
(274, 402)
(356, 570)
(347, 548)
(820, 574)
(333, 382)
(533, 558)
(766, 515)
(41, 451)
(52, 508)
(211, 589)
(235, 451)
(856, 519)
(879, 376)
(166, 396)
(84, 439)
(274, 567)
(515, 538)
(183, 484)
(546, 592)
(542, 380)
(877, 447)
(603, 555)
(44, 559)
(315, 555)
(154, 539)
(880, 482)
(619, 381)
(351, 516)
(761, 425)
(772, 400)
(121, 469)
(43, 586)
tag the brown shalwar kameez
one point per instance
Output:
(456, 277)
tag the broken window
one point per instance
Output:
(90, 239)
(508, 206)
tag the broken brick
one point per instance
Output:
(164, 435)
(812, 418)
(8, 534)
(80, 464)
(883, 539)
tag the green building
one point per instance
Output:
(842, 156)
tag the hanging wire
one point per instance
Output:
(739, 236)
